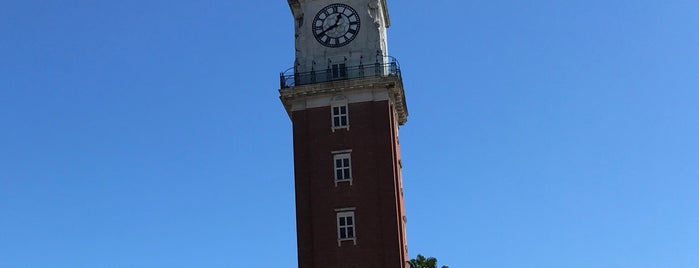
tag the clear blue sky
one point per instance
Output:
(541, 133)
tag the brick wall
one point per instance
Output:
(375, 191)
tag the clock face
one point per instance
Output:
(336, 25)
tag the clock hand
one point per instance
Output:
(337, 23)
(337, 20)
(328, 29)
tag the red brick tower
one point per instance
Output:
(345, 99)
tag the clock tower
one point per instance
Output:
(344, 95)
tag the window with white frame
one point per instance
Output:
(343, 167)
(346, 226)
(339, 116)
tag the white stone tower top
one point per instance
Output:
(332, 31)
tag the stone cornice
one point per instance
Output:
(392, 84)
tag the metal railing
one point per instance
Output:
(338, 72)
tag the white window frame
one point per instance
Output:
(345, 166)
(343, 224)
(339, 116)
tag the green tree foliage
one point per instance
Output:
(422, 262)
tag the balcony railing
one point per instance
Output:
(339, 72)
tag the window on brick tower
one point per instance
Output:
(345, 226)
(339, 113)
(343, 167)
(339, 116)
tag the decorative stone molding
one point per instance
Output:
(355, 90)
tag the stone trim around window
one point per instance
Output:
(346, 227)
(342, 167)
(339, 113)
